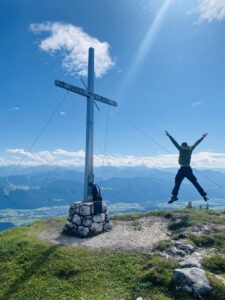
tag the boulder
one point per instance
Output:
(87, 222)
(165, 255)
(98, 218)
(69, 224)
(85, 210)
(96, 228)
(107, 227)
(191, 280)
(83, 231)
(104, 207)
(173, 251)
(77, 220)
(106, 217)
(191, 262)
(187, 248)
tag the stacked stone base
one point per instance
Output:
(85, 219)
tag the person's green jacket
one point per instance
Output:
(185, 152)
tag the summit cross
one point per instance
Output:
(91, 97)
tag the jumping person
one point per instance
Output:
(185, 170)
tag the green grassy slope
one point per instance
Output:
(34, 269)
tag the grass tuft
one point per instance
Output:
(214, 263)
(158, 276)
(216, 240)
(158, 271)
(218, 288)
(163, 245)
(180, 223)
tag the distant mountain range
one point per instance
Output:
(50, 186)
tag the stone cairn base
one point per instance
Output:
(87, 219)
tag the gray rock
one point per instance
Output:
(74, 229)
(106, 217)
(165, 255)
(103, 217)
(79, 203)
(191, 262)
(72, 211)
(77, 211)
(176, 252)
(85, 210)
(98, 218)
(77, 220)
(96, 228)
(68, 224)
(73, 205)
(92, 208)
(191, 280)
(185, 247)
(87, 222)
(104, 207)
(83, 231)
(69, 227)
(107, 226)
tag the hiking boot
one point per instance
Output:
(173, 198)
(205, 198)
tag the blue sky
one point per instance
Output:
(163, 61)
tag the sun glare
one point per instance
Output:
(147, 43)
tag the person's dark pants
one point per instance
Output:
(186, 171)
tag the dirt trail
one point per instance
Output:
(140, 235)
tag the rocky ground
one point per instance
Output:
(128, 235)
(168, 235)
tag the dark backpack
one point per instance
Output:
(96, 193)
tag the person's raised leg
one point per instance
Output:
(190, 176)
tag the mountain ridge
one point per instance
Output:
(61, 186)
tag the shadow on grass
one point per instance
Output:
(37, 264)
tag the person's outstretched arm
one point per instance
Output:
(199, 140)
(173, 140)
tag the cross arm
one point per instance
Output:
(105, 100)
(71, 88)
(83, 92)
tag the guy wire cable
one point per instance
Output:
(36, 138)
(142, 132)
(165, 149)
(105, 141)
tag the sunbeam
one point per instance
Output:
(146, 44)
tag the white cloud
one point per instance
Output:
(210, 10)
(60, 152)
(73, 44)
(62, 113)
(197, 103)
(38, 158)
(60, 157)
